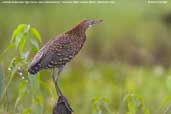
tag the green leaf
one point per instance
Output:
(22, 92)
(165, 101)
(19, 36)
(18, 39)
(35, 44)
(11, 45)
(21, 44)
(38, 104)
(12, 64)
(27, 111)
(26, 29)
(17, 31)
(36, 34)
(131, 108)
(135, 104)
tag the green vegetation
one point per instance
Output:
(124, 67)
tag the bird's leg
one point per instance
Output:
(62, 104)
(55, 80)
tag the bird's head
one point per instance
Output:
(90, 22)
(83, 25)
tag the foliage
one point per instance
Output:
(136, 104)
(91, 87)
(25, 39)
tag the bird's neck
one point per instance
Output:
(78, 30)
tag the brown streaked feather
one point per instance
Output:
(60, 50)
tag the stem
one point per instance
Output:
(5, 90)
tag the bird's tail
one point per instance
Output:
(33, 69)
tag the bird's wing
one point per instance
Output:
(33, 67)
(61, 51)
(40, 60)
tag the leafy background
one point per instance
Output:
(124, 67)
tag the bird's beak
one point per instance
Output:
(96, 21)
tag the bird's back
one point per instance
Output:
(57, 52)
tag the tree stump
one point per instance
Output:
(62, 106)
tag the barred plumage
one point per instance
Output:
(60, 50)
